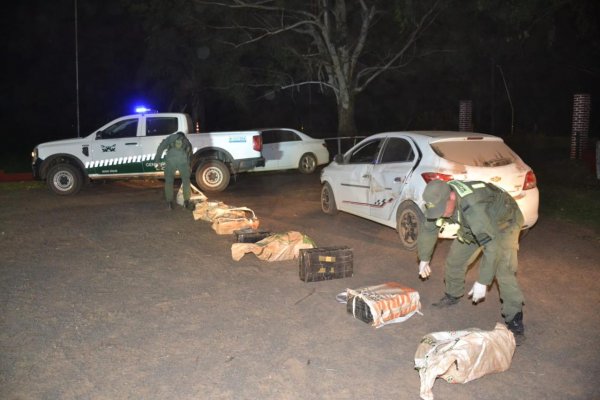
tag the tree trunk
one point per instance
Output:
(346, 122)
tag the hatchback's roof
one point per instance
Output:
(445, 134)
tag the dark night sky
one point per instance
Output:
(40, 81)
(39, 85)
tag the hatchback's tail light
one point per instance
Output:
(530, 181)
(257, 142)
(432, 176)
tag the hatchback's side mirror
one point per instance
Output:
(99, 135)
(339, 158)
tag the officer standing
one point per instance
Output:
(490, 221)
(177, 158)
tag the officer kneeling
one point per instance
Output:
(490, 221)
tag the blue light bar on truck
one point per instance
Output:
(143, 110)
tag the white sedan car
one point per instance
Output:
(383, 177)
(285, 148)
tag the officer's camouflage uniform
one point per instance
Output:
(490, 220)
(179, 153)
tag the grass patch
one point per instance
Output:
(571, 204)
(569, 189)
(14, 186)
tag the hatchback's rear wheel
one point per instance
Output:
(327, 200)
(409, 220)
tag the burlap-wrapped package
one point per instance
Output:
(210, 210)
(232, 221)
(462, 356)
(277, 247)
(196, 195)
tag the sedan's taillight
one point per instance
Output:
(257, 142)
(432, 176)
(530, 181)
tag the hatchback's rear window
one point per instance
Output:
(477, 153)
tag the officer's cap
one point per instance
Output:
(436, 196)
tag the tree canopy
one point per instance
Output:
(324, 66)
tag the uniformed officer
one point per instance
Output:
(177, 158)
(490, 221)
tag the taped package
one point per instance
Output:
(196, 195)
(277, 247)
(462, 356)
(383, 304)
(232, 221)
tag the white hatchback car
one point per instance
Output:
(382, 178)
(285, 148)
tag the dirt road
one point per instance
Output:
(107, 295)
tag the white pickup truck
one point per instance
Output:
(125, 148)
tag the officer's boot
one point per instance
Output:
(169, 205)
(188, 205)
(517, 328)
(446, 301)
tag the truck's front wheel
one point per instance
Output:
(213, 176)
(64, 179)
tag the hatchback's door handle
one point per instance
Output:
(130, 143)
(398, 179)
(366, 176)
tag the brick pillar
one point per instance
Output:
(465, 112)
(580, 125)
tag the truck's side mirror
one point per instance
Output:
(339, 158)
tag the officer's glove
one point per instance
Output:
(478, 292)
(424, 270)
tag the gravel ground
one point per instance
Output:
(108, 295)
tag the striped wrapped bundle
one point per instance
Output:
(383, 304)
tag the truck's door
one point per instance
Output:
(116, 149)
(155, 129)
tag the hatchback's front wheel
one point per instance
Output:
(409, 220)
